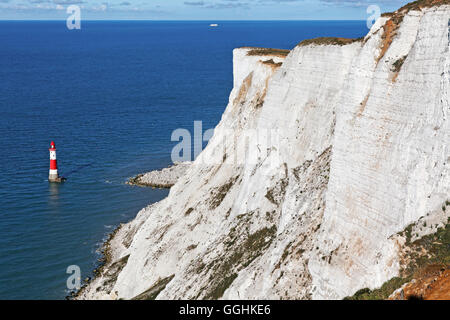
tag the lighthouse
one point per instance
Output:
(53, 173)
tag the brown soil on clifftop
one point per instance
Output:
(433, 284)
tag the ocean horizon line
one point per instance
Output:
(174, 20)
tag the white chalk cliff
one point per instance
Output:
(358, 149)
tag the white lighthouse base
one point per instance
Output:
(54, 177)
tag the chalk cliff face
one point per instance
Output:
(348, 144)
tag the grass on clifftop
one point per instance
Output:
(268, 52)
(329, 41)
(418, 5)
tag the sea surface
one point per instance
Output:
(110, 95)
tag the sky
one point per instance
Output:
(211, 10)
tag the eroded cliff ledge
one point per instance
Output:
(360, 152)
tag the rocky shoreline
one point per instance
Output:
(103, 262)
(161, 179)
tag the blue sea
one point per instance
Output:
(109, 95)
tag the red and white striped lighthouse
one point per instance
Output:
(53, 174)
